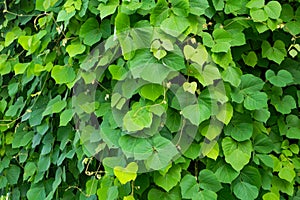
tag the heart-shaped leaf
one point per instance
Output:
(126, 174)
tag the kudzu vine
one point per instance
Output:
(149, 99)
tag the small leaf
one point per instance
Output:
(250, 59)
(282, 79)
(65, 117)
(126, 174)
(108, 8)
(75, 49)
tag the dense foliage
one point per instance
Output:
(145, 99)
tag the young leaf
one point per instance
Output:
(126, 174)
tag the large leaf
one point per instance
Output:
(244, 190)
(189, 186)
(36, 193)
(170, 179)
(209, 181)
(90, 31)
(175, 25)
(236, 154)
(273, 9)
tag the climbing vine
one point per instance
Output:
(145, 99)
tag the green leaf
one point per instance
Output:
(225, 113)
(36, 192)
(90, 31)
(137, 119)
(22, 138)
(192, 113)
(63, 15)
(75, 49)
(155, 194)
(163, 152)
(262, 144)
(273, 9)
(256, 101)
(55, 105)
(209, 181)
(108, 8)
(252, 176)
(232, 75)
(180, 7)
(43, 163)
(12, 174)
(282, 79)
(250, 59)
(159, 13)
(175, 25)
(91, 186)
(283, 185)
(62, 74)
(29, 170)
(205, 195)
(152, 91)
(255, 4)
(239, 131)
(65, 117)
(119, 73)
(258, 15)
(250, 84)
(292, 27)
(218, 4)
(126, 174)
(237, 154)
(261, 115)
(169, 180)
(189, 186)
(284, 105)
(226, 174)
(277, 53)
(20, 68)
(161, 72)
(244, 190)
(122, 23)
(287, 173)
(198, 7)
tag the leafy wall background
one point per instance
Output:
(243, 139)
